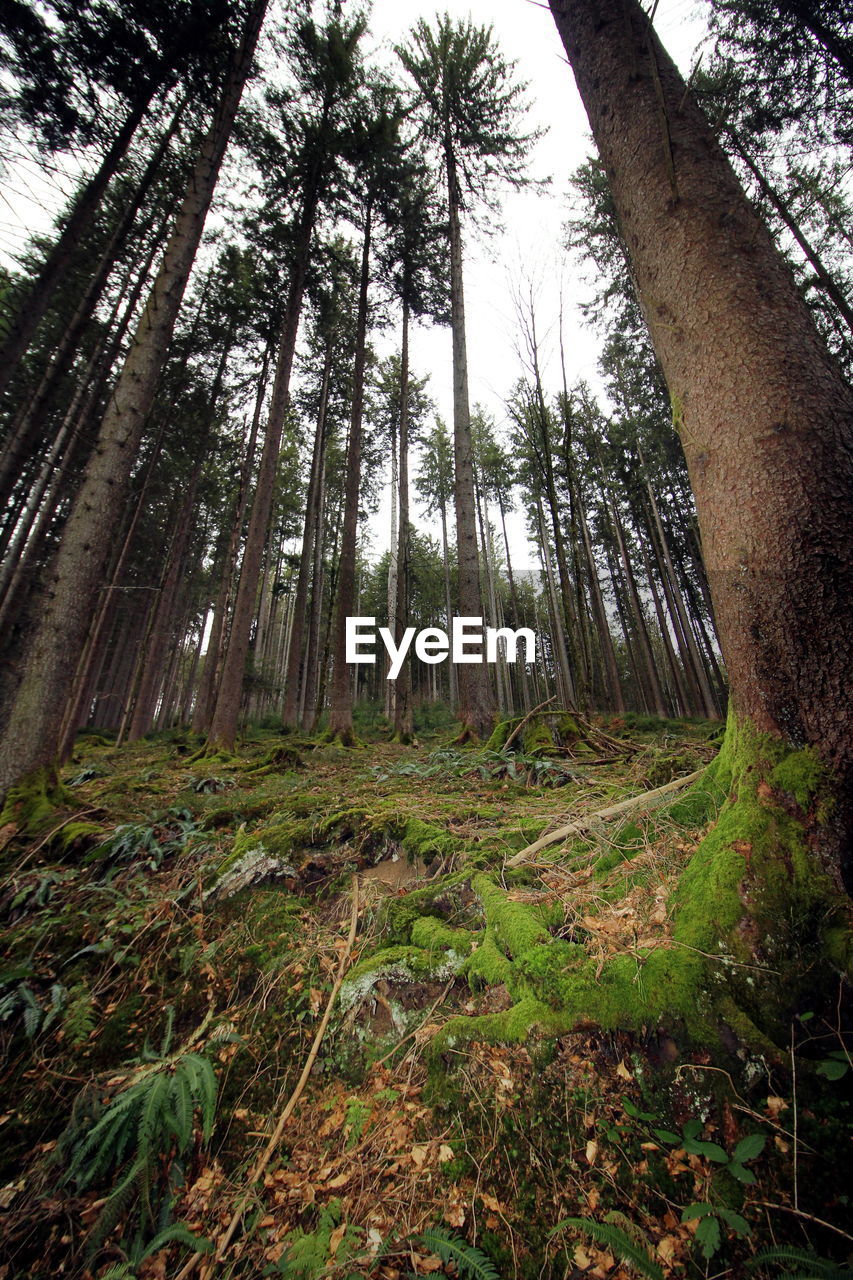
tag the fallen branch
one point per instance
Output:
(648, 800)
(526, 720)
(269, 1151)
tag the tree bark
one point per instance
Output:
(765, 418)
(294, 674)
(31, 312)
(403, 712)
(223, 729)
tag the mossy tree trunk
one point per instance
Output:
(766, 423)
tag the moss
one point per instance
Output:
(567, 730)
(487, 966)
(278, 759)
(434, 935)
(77, 836)
(753, 913)
(423, 840)
(536, 737)
(802, 775)
(500, 733)
(512, 1026)
(31, 804)
(398, 964)
(514, 925)
(445, 897)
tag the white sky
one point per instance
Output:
(529, 243)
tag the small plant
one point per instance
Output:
(177, 1233)
(749, 1148)
(87, 774)
(835, 1065)
(620, 1244)
(151, 842)
(309, 1252)
(470, 1263)
(799, 1264)
(210, 786)
(138, 1140)
(709, 1231)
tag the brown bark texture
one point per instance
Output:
(765, 418)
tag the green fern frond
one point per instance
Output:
(471, 1263)
(805, 1264)
(617, 1241)
(177, 1233)
(141, 1133)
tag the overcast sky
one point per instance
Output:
(528, 246)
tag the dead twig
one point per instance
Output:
(526, 720)
(648, 800)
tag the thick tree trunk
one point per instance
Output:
(33, 710)
(766, 422)
(340, 703)
(476, 695)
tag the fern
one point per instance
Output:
(144, 1130)
(617, 1241)
(802, 1264)
(471, 1263)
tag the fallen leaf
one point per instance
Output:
(491, 1203)
(623, 1073)
(335, 1239)
(340, 1181)
(591, 1152)
(454, 1215)
(445, 1153)
(429, 1264)
(419, 1155)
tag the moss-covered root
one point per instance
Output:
(342, 738)
(278, 759)
(760, 931)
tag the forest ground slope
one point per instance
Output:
(169, 946)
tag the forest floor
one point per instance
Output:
(168, 954)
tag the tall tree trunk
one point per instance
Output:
(766, 423)
(54, 270)
(404, 724)
(32, 710)
(476, 695)
(605, 640)
(29, 430)
(340, 703)
(294, 673)
(223, 728)
(218, 638)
